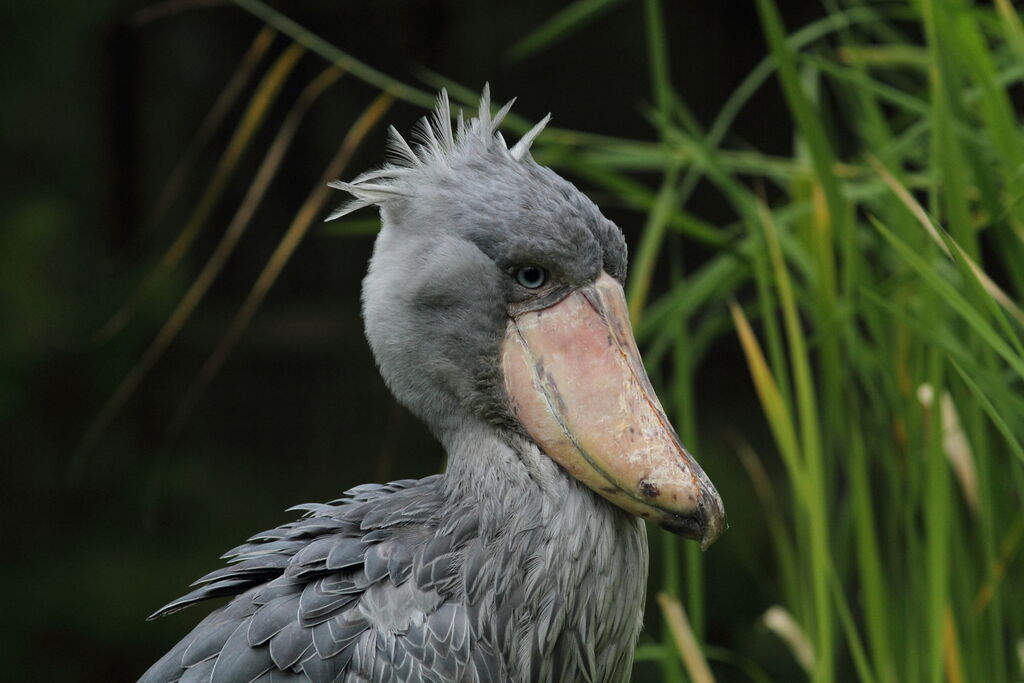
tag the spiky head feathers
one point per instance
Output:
(437, 151)
(465, 181)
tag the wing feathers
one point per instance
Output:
(270, 618)
(238, 661)
(358, 589)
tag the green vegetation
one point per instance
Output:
(887, 360)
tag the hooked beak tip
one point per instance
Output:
(704, 525)
(712, 531)
(713, 516)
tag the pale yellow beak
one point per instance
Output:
(577, 385)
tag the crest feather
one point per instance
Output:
(400, 150)
(523, 146)
(437, 146)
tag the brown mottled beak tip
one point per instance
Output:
(576, 383)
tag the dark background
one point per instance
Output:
(98, 104)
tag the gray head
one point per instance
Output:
(478, 244)
(461, 215)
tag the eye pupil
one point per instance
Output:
(531, 277)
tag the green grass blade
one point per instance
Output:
(997, 419)
(954, 299)
(810, 440)
(563, 24)
(650, 245)
(808, 120)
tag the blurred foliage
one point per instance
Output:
(826, 225)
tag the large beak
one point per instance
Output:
(576, 383)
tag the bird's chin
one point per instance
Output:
(576, 383)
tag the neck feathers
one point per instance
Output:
(557, 575)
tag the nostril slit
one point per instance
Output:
(648, 489)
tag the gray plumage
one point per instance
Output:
(502, 569)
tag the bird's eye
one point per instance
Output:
(531, 277)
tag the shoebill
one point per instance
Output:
(494, 307)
